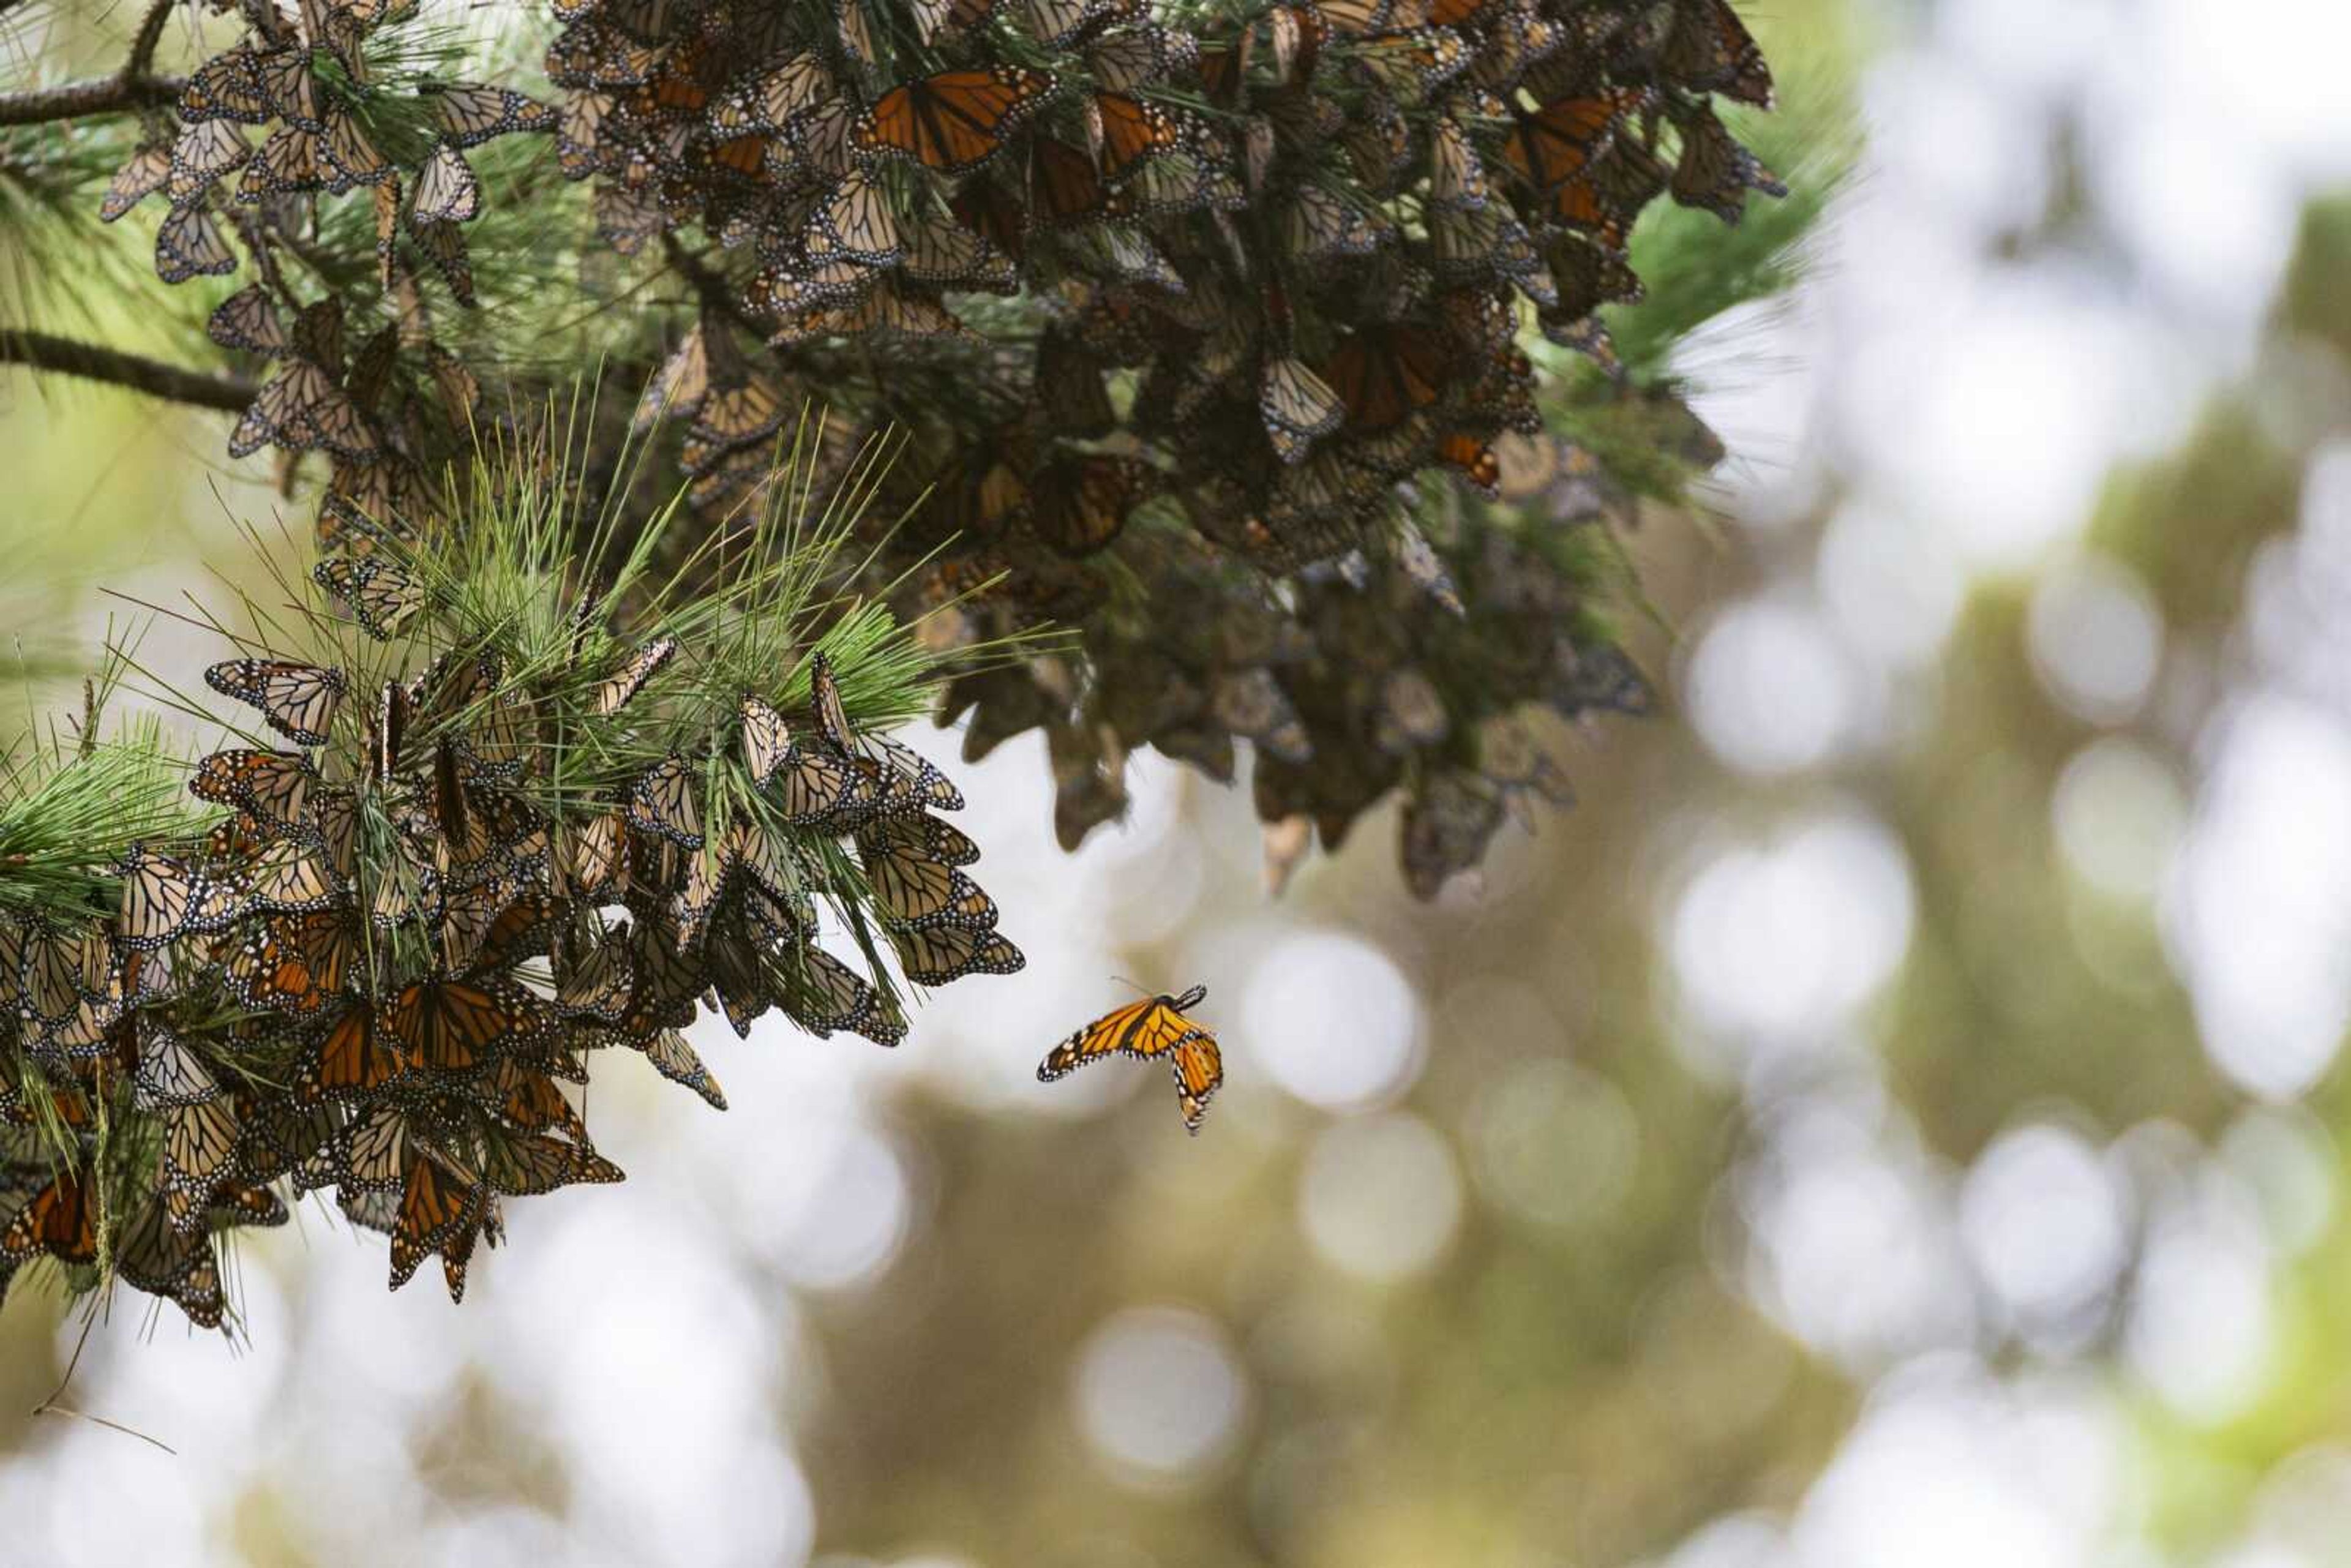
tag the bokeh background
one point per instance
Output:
(1893, 1122)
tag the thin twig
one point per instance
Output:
(65, 356)
(135, 85)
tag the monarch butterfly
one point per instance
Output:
(928, 835)
(938, 955)
(1446, 826)
(301, 410)
(447, 191)
(902, 777)
(1456, 177)
(289, 879)
(1317, 226)
(200, 1140)
(598, 985)
(1298, 407)
(350, 158)
(952, 121)
(1475, 243)
(747, 848)
(158, 891)
(1136, 56)
(286, 163)
(319, 334)
(953, 257)
(909, 884)
(598, 856)
(60, 1220)
(282, 1134)
(274, 785)
(472, 115)
(353, 1058)
(444, 245)
(613, 692)
(532, 1164)
(1080, 504)
(381, 595)
(1058, 24)
(1409, 65)
(1554, 143)
(983, 207)
(438, 1213)
(448, 1026)
(1064, 187)
(579, 134)
(822, 994)
(706, 872)
(820, 136)
(1180, 182)
(767, 739)
(190, 244)
(732, 962)
(740, 416)
(595, 54)
(300, 701)
(139, 178)
(293, 964)
(1383, 374)
(1251, 703)
(1603, 200)
(170, 1073)
(1710, 49)
(675, 1060)
(226, 86)
(155, 1257)
(857, 223)
(1153, 1026)
(662, 801)
(769, 100)
(1473, 458)
(1129, 130)
(1714, 172)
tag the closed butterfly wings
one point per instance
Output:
(1153, 1028)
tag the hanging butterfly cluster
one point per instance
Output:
(1182, 301)
(427, 899)
(339, 116)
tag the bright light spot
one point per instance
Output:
(2097, 638)
(2290, 98)
(1379, 1198)
(836, 1213)
(1787, 938)
(2260, 923)
(2119, 816)
(2210, 219)
(1556, 1142)
(1767, 689)
(1160, 1394)
(1333, 1020)
(2199, 1330)
(2043, 1222)
(1891, 586)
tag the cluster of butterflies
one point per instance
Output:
(1268, 266)
(330, 125)
(378, 971)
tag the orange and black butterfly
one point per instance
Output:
(1080, 504)
(1386, 374)
(60, 1220)
(273, 785)
(298, 700)
(1151, 1028)
(292, 964)
(354, 1057)
(1064, 187)
(449, 1026)
(1132, 129)
(952, 121)
(1555, 142)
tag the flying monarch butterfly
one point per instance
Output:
(294, 964)
(955, 120)
(274, 785)
(1153, 1026)
(938, 955)
(1130, 130)
(446, 189)
(300, 701)
(471, 115)
(1298, 407)
(1385, 375)
(449, 1026)
(1080, 504)
(226, 86)
(614, 692)
(190, 244)
(140, 177)
(381, 595)
(663, 802)
(158, 891)
(60, 1220)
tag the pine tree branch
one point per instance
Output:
(64, 356)
(133, 86)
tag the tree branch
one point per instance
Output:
(66, 357)
(132, 87)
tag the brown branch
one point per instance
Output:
(67, 358)
(133, 86)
